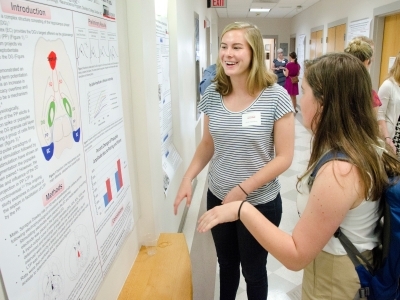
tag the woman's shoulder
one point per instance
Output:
(344, 172)
(273, 92)
(387, 84)
(211, 94)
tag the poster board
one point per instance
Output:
(65, 187)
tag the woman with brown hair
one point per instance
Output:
(336, 100)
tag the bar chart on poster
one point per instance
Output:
(107, 182)
(107, 166)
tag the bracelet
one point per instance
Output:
(243, 190)
(240, 207)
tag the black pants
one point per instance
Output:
(235, 245)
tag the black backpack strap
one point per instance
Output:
(330, 155)
(351, 250)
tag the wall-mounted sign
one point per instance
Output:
(216, 3)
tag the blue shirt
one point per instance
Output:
(208, 75)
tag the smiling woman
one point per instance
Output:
(246, 116)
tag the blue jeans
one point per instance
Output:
(235, 245)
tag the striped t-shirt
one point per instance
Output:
(240, 151)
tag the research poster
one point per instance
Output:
(301, 44)
(65, 194)
(358, 28)
(170, 156)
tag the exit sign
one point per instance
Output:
(218, 3)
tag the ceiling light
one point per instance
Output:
(260, 9)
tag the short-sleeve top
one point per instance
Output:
(389, 94)
(279, 73)
(242, 148)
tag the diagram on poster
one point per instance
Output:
(77, 252)
(57, 111)
(94, 47)
(52, 285)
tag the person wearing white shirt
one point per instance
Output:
(389, 94)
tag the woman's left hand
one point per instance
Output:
(217, 215)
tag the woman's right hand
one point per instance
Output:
(185, 191)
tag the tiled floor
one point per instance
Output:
(283, 284)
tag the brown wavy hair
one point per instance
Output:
(259, 76)
(345, 120)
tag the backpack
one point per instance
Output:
(381, 281)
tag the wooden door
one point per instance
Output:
(340, 37)
(313, 45)
(391, 44)
(319, 41)
(330, 46)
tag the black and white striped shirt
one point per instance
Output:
(240, 151)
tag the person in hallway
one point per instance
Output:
(208, 75)
(360, 48)
(292, 70)
(389, 112)
(336, 100)
(279, 65)
(248, 138)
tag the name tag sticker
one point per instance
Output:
(251, 119)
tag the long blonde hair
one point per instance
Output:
(395, 69)
(259, 77)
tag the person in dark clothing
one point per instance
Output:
(279, 64)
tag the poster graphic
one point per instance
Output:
(170, 156)
(65, 193)
(57, 110)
